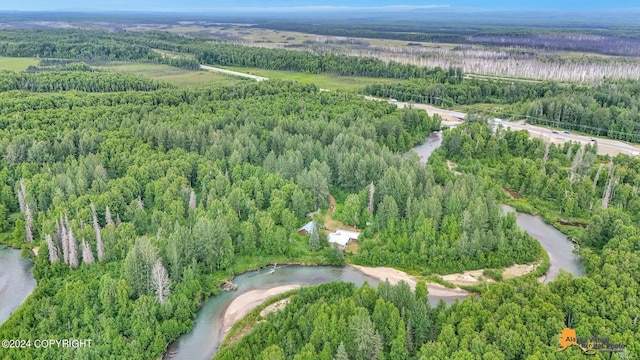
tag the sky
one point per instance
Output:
(273, 5)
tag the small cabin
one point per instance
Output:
(308, 228)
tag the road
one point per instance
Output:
(452, 118)
(231, 72)
(605, 146)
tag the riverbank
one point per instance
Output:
(395, 276)
(245, 303)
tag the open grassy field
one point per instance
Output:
(16, 64)
(323, 81)
(173, 75)
(276, 37)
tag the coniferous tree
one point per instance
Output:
(138, 266)
(314, 238)
(341, 353)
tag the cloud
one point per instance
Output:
(325, 8)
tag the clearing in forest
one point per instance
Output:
(331, 224)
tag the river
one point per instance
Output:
(207, 333)
(205, 337)
(554, 242)
(431, 143)
(16, 281)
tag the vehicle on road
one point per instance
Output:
(555, 132)
(565, 132)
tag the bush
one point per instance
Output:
(493, 274)
(335, 256)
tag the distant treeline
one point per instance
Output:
(276, 59)
(93, 46)
(549, 39)
(76, 80)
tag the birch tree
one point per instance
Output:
(161, 281)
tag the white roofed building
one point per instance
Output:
(341, 238)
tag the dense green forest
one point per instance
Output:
(143, 197)
(141, 202)
(302, 61)
(444, 229)
(609, 108)
(514, 320)
(338, 321)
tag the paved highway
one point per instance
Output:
(605, 146)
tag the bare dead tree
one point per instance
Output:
(608, 191)
(372, 191)
(595, 180)
(118, 222)
(58, 234)
(577, 161)
(546, 151)
(140, 203)
(64, 239)
(107, 215)
(28, 237)
(87, 255)
(73, 249)
(53, 250)
(569, 153)
(22, 196)
(161, 282)
(482, 62)
(192, 200)
(96, 229)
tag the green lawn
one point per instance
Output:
(16, 64)
(324, 81)
(174, 75)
